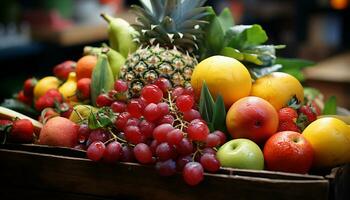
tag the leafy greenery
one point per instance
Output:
(246, 43)
(330, 107)
(213, 113)
(103, 118)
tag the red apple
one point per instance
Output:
(62, 70)
(59, 131)
(253, 118)
(288, 151)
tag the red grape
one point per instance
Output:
(221, 135)
(103, 100)
(83, 133)
(153, 146)
(163, 84)
(189, 91)
(184, 103)
(113, 152)
(118, 107)
(182, 161)
(98, 135)
(209, 162)
(147, 128)
(143, 153)
(193, 173)
(127, 154)
(177, 92)
(133, 134)
(166, 119)
(185, 147)
(164, 108)
(164, 151)
(132, 122)
(152, 112)
(160, 132)
(208, 150)
(152, 93)
(120, 86)
(134, 107)
(191, 115)
(121, 120)
(95, 151)
(198, 131)
(213, 140)
(166, 168)
(174, 137)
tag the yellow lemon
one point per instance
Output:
(278, 88)
(45, 84)
(330, 139)
(223, 75)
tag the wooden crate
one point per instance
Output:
(32, 171)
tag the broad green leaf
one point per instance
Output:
(294, 63)
(330, 107)
(215, 35)
(92, 121)
(206, 104)
(294, 66)
(243, 36)
(219, 115)
(226, 19)
(231, 52)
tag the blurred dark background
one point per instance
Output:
(38, 34)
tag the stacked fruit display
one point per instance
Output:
(187, 91)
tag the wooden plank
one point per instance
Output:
(79, 175)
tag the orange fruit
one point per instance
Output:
(85, 66)
(278, 88)
(224, 76)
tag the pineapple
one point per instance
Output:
(170, 33)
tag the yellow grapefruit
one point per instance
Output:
(278, 88)
(330, 139)
(223, 75)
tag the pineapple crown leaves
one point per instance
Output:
(171, 23)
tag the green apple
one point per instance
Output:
(241, 153)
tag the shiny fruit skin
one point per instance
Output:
(59, 131)
(45, 84)
(288, 151)
(278, 88)
(253, 118)
(85, 66)
(28, 86)
(242, 154)
(62, 70)
(193, 173)
(83, 88)
(330, 139)
(223, 75)
(22, 131)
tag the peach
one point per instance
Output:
(59, 131)
(253, 118)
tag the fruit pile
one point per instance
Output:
(184, 90)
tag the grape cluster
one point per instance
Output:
(162, 128)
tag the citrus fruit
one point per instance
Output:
(223, 75)
(330, 139)
(253, 118)
(45, 84)
(85, 66)
(278, 88)
(81, 112)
